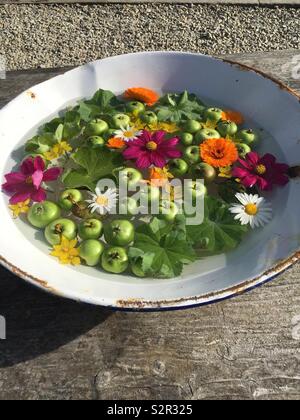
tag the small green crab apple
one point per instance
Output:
(96, 141)
(90, 251)
(137, 268)
(247, 136)
(204, 171)
(196, 189)
(243, 149)
(178, 167)
(69, 198)
(148, 117)
(128, 206)
(59, 228)
(227, 128)
(192, 154)
(135, 107)
(96, 127)
(41, 214)
(186, 138)
(115, 260)
(205, 134)
(213, 114)
(120, 120)
(167, 211)
(130, 177)
(90, 229)
(192, 126)
(119, 232)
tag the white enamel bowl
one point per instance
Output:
(262, 256)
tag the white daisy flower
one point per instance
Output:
(128, 133)
(103, 203)
(254, 210)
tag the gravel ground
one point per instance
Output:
(47, 36)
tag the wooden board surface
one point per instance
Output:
(244, 348)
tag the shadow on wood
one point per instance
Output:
(38, 323)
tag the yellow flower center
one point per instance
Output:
(128, 134)
(151, 145)
(251, 209)
(261, 169)
(29, 180)
(102, 200)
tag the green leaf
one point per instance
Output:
(176, 107)
(105, 100)
(219, 232)
(164, 249)
(58, 135)
(40, 144)
(92, 166)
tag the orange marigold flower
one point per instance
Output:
(148, 96)
(159, 176)
(116, 143)
(233, 116)
(219, 152)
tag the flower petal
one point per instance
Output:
(39, 195)
(143, 161)
(51, 174)
(39, 164)
(27, 167)
(37, 178)
(19, 197)
(158, 160)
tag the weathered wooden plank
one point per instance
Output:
(244, 348)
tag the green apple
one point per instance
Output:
(119, 232)
(41, 214)
(96, 127)
(204, 171)
(128, 206)
(196, 189)
(186, 139)
(150, 194)
(130, 178)
(178, 167)
(192, 126)
(137, 268)
(148, 117)
(135, 107)
(247, 136)
(90, 229)
(59, 228)
(68, 198)
(115, 260)
(205, 134)
(167, 211)
(120, 120)
(213, 114)
(96, 141)
(227, 128)
(90, 251)
(243, 149)
(192, 154)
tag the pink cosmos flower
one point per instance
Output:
(152, 149)
(261, 171)
(26, 184)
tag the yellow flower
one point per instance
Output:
(225, 172)
(173, 193)
(66, 252)
(19, 208)
(58, 150)
(159, 176)
(210, 124)
(165, 126)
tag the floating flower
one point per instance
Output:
(225, 172)
(102, 203)
(58, 150)
(233, 116)
(252, 210)
(168, 127)
(148, 96)
(261, 171)
(27, 184)
(128, 133)
(152, 149)
(219, 152)
(20, 208)
(66, 252)
(115, 143)
(159, 176)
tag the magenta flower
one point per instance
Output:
(28, 182)
(261, 171)
(152, 149)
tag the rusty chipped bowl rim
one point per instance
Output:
(227, 83)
